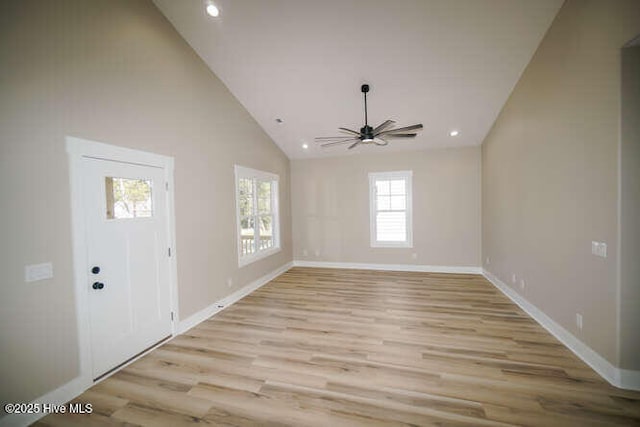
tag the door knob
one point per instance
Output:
(97, 285)
(95, 270)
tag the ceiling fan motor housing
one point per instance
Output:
(366, 133)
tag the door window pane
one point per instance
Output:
(128, 198)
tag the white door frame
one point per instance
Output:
(77, 149)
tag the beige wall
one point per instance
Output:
(630, 211)
(330, 207)
(112, 71)
(550, 172)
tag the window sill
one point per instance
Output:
(249, 259)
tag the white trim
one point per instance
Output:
(66, 393)
(78, 149)
(173, 260)
(407, 176)
(255, 173)
(77, 386)
(629, 379)
(390, 267)
(248, 259)
(225, 302)
(244, 172)
(621, 378)
(59, 396)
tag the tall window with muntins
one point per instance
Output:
(390, 195)
(257, 211)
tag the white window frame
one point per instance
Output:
(383, 176)
(248, 173)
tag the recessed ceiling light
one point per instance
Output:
(454, 133)
(279, 121)
(305, 146)
(212, 10)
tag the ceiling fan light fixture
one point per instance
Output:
(212, 10)
(366, 132)
(454, 133)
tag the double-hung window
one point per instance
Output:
(257, 214)
(390, 209)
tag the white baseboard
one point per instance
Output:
(390, 267)
(77, 386)
(621, 378)
(629, 379)
(220, 305)
(59, 396)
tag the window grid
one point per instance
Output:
(257, 214)
(390, 205)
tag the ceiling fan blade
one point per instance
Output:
(403, 129)
(354, 144)
(350, 131)
(328, 144)
(322, 138)
(383, 126)
(400, 135)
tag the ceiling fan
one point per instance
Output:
(379, 135)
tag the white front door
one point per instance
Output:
(129, 298)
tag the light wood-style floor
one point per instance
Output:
(319, 347)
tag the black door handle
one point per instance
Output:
(97, 285)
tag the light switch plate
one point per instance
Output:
(35, 272)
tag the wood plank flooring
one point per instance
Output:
(321, 347)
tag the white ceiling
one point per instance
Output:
(449, 64)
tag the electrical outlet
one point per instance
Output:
(488, 261)
(579, 320)
(414, 255)
(305, 252)
(599, 249)
(229, 282)
(514, 279)
(522, 284)
(317, 253)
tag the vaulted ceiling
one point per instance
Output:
(449, 64)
